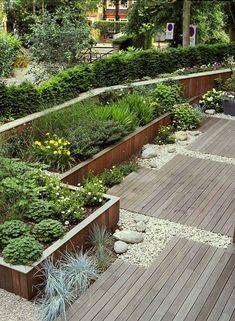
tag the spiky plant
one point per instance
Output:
(56, 295)
(79, 271)
(100, 240)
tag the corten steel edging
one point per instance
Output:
(23, 280)
(115, 154)
(193, 85)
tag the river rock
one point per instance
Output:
(171, 149)
(128, 236)
(120, 247)
(181, 136)
(149, 152)
(210, 111)
(141, 227)
(195, 133)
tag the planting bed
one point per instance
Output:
(23, 280)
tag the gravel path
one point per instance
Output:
(158, 233)
(14, 308)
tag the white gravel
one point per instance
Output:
(15, 308)
(181, 147)
(218, 115)
(158, 233)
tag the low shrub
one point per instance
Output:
(112, 70)
(22, 251)
(165, 96)
(38, 210)
(165, 135)
(48, 230)
(9, 49)
(212, 99)
(111, 177)
(185, 117)
(93, 191)
(12, 230)
(128, 168)
(54, 151)
(229, 84)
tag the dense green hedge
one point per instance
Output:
(118, 68)
(9, 49)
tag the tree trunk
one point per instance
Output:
(117, 10)
(186, 22)
(34, 6)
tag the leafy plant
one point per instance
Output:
(38, 210)
(53, 151)
(111, 177)
(12, 230)
(140, 107)
(128, 168)
(22, 251)
(9, 48)
(212, 100)
(165, 135)
(48, 230)
(93, 191)
(186, 117)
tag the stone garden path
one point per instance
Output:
(192, 279)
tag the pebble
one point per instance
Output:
(128, 236)
(210, 111)
(149, 152)
(171, 149)
(141, 227)
(158, 233)
(120, 247)
(181, 135)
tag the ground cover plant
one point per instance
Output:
(69, 136)
(36, 209)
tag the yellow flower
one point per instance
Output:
(37, 143)
(68, 153)
(59, 152)
(55, 152)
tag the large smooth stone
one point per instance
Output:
(120, 247)
(210, 111)
(128, 236)
(181, 136)
(149, 152)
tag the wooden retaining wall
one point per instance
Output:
(23, 280)
(115, 154)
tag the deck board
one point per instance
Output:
(191, 191)
(218, 138)
(187, 281)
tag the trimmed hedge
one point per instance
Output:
(118, 68)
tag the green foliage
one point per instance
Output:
(11, 230)
(9, 49)
(165, 135)
(100, 240)
(111, 70)
(212, 99)
(93, 191)
(111, 177)
(48, 230)
(58, 38)
(140, 107)
(229, 84)
(123, 42)
(167, 95)
(185, 117)
(22, 251)
(38, 210)
(54, 151)
(128, 168)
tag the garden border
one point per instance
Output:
(23, 280)
(117, 153)
(194, 85)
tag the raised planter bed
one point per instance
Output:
(115, 154)
(194, 86)
(23, 280)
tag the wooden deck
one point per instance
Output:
(218, 138)
(189, 281)
(190, 191)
